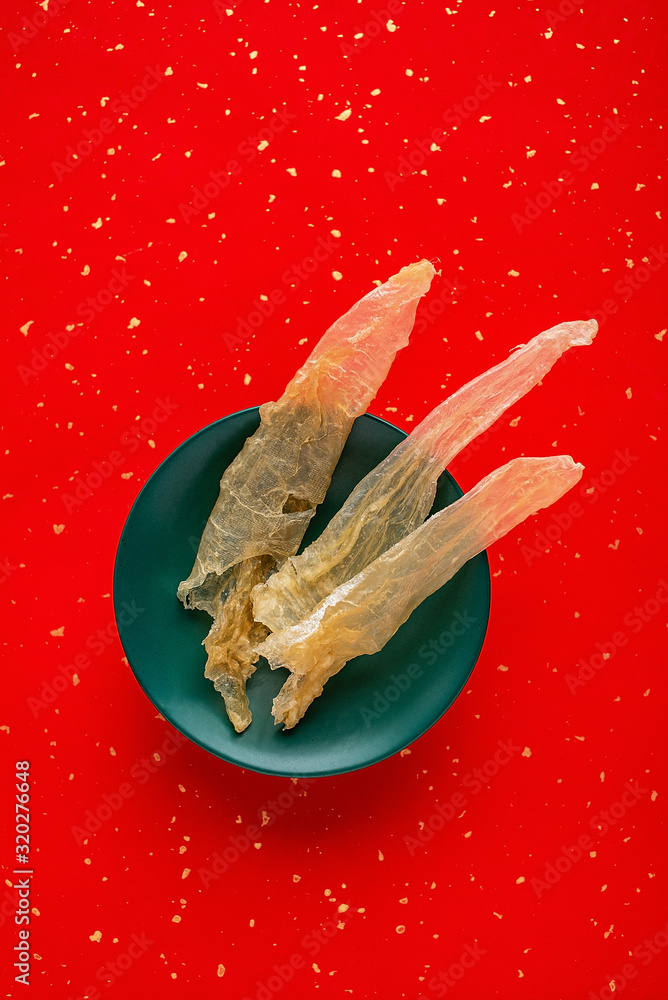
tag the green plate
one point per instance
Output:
(373, 708)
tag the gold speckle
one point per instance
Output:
(220, 971)
(526, 752)
(247, 379)
(182, 255)
(296, 878)
(58, 631)
(400, 928)
(185, 873)
(628, 392)
(518, 881)
(337, 275)
(58, 528)
(97, 936)
(176, 919)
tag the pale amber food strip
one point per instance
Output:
(361, 615)
(396, 496)
(269, 492)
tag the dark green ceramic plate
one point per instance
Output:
(373, 708)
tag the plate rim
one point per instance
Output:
(216, 752)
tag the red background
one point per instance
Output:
(554, 80)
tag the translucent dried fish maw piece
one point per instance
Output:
(230, 643)
(396, 496)
(288, 463)
(269, 492)
(362, 614)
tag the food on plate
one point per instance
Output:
(396, 496)
(363, 613)
(270, 491)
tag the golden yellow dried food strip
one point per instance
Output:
(269, 492)
(361, 615)
(396, 496)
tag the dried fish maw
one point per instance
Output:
(362, 614)
(230, 643)
(396, 496)
(269, 492)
